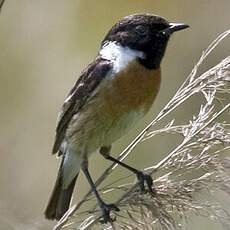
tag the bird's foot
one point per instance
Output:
(106, 209)
(146, 179)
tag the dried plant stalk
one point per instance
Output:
(1, 4)
(199, 164)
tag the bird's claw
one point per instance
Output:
(106, 209)
(145, 179)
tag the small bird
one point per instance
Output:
(112, 93)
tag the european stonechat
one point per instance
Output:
(112, 93)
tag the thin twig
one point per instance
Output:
(1, 4)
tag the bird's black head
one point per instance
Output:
(144, 32)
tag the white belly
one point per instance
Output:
(89, 133)
(122, 126)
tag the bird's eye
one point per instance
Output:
(141, 30)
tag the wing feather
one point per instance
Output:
(88, 81)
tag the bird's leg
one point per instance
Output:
(142, 177)
(105, 208)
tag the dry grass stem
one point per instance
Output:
(189, 178)
(1, 4)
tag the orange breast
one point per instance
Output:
(134, 88)
(119, 103)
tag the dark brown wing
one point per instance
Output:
(89, 80)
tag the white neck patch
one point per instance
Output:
(119, 55)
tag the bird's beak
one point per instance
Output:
(173, 27)
(177, 26)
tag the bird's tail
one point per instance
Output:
(60, 200)
(63, 189)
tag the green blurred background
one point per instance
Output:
(44, 44)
